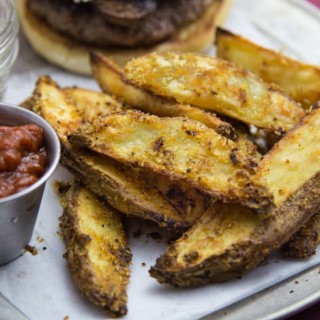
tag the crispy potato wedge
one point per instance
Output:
(67, 109)
(213, 249)
(229, 241)
(112, 80)
(50, 102)
(92, 104)
(97, 251)
(301, 81)
(234, 240)
(293, 159)
(180, 148)
(217, 85)
(304, 242)
(126, 189)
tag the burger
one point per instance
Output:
(65, 31)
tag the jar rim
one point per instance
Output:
(5, 32)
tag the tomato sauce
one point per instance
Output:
(22, 157)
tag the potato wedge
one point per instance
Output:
(126, 189)
(213, 249)
(293, 160)
(50, 102)
(179, 148)
(91, 104)
(233, 239)
(304, 242)
(217, 85)
(97, 250)
(229, 241)
(300, 81)
(112, 80)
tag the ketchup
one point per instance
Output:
(22, 157)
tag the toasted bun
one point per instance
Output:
(72, 56)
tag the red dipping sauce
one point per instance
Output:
(22, 157)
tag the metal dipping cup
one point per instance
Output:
(18, 212)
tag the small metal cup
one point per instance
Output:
(18, 212)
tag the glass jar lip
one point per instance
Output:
(9, 28)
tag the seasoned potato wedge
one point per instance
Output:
(229, 241)
(112, 80)
(293, 160)
(304, 242)
(50, 102)
(92, 104)
(234, 240)
(299, 80)
(213, 250)
(126, 189)
(179, 148)
(217, 85)
(97, 251)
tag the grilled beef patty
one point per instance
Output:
(119, 23)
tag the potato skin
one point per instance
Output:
(304, 242)
(276, 228)
(90, 228)
(122, 187)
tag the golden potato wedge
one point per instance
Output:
(126, 189)
(293, 160)
(234, 240)
(112, 80)
(304, 242)
(97, 250)
(50, 102)
(229, 241)
(180, 148)
(212, 250)
(217, 85)
(92, 104)
(300, 81)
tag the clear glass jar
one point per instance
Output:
(9, 44)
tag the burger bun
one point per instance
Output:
(60, 50)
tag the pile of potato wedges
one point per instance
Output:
(222, 150)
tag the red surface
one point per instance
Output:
(312, 313)
(315, 2)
